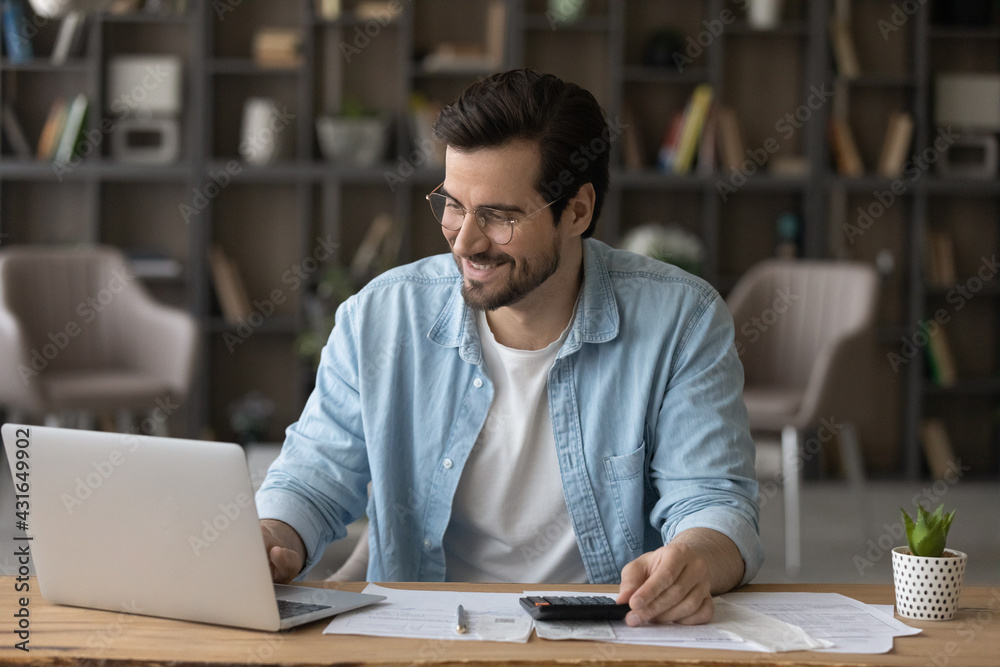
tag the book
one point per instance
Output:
(15, 36)
(48, 140)
(15, 133)
(277, 47)
(668, 149)
(457, 57)
(370, 257)
(69, 37)
(233, 298)
(328, 10)
(496, 24)
(694, 122)
(730, 139)
(845, 149)
(706, 148)
(422, 115)
(939, 254)
(154, 264)
(844, 53)
(940, 361)
(632, 140)
(72, 131)
(895, 148)
(937, 447)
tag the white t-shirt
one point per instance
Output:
(509, 520)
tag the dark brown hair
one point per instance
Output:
(564, 120)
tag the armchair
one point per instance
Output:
(81, 334)
(804, 331)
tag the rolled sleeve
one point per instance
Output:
(704, 462)
(318, 485)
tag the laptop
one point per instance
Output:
(154, 526)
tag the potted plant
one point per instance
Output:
(928, 577)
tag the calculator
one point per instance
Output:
(574, 608)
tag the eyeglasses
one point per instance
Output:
(495, 224)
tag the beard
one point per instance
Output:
(524, 278)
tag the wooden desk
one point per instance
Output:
(71, 636)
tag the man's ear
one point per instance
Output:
(580, 210)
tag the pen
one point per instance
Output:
(461, 622)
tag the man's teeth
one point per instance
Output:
(481, 267)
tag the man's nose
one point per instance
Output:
(470, 239)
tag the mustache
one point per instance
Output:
(484, 258)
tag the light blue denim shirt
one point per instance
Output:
(645, 398)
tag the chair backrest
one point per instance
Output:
(72, 302)
(787, 311)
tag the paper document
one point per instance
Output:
(852, 626)
(733, 627)
(431, 615)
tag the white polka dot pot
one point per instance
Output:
(927, 588)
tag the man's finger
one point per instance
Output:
(703, 614)
(633, 576)
(655, 594)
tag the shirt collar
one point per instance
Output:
(596, 318)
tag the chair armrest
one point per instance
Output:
(18, 378)
(163, 340)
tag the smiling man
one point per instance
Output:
(536, 407)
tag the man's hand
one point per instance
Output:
(286, 552)
(675, 583)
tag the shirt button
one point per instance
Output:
(447, 463)
(477, 383)
(427, 544)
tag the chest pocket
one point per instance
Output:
(627, 482)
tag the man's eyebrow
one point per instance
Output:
(501, 207)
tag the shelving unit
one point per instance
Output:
(277, 221)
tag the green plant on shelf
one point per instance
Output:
(334, 287)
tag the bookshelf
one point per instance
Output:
(286, 223)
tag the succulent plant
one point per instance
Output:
(927, 536)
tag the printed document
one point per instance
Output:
(494, 617)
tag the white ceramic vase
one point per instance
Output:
(927, 588)
(764, 14)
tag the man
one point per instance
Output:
(537, 407)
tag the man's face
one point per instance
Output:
(503, 178)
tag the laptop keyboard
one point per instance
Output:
(290, 608)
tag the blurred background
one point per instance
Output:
(245, 165)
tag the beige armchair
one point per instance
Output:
(81, 334)
(805, 334)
